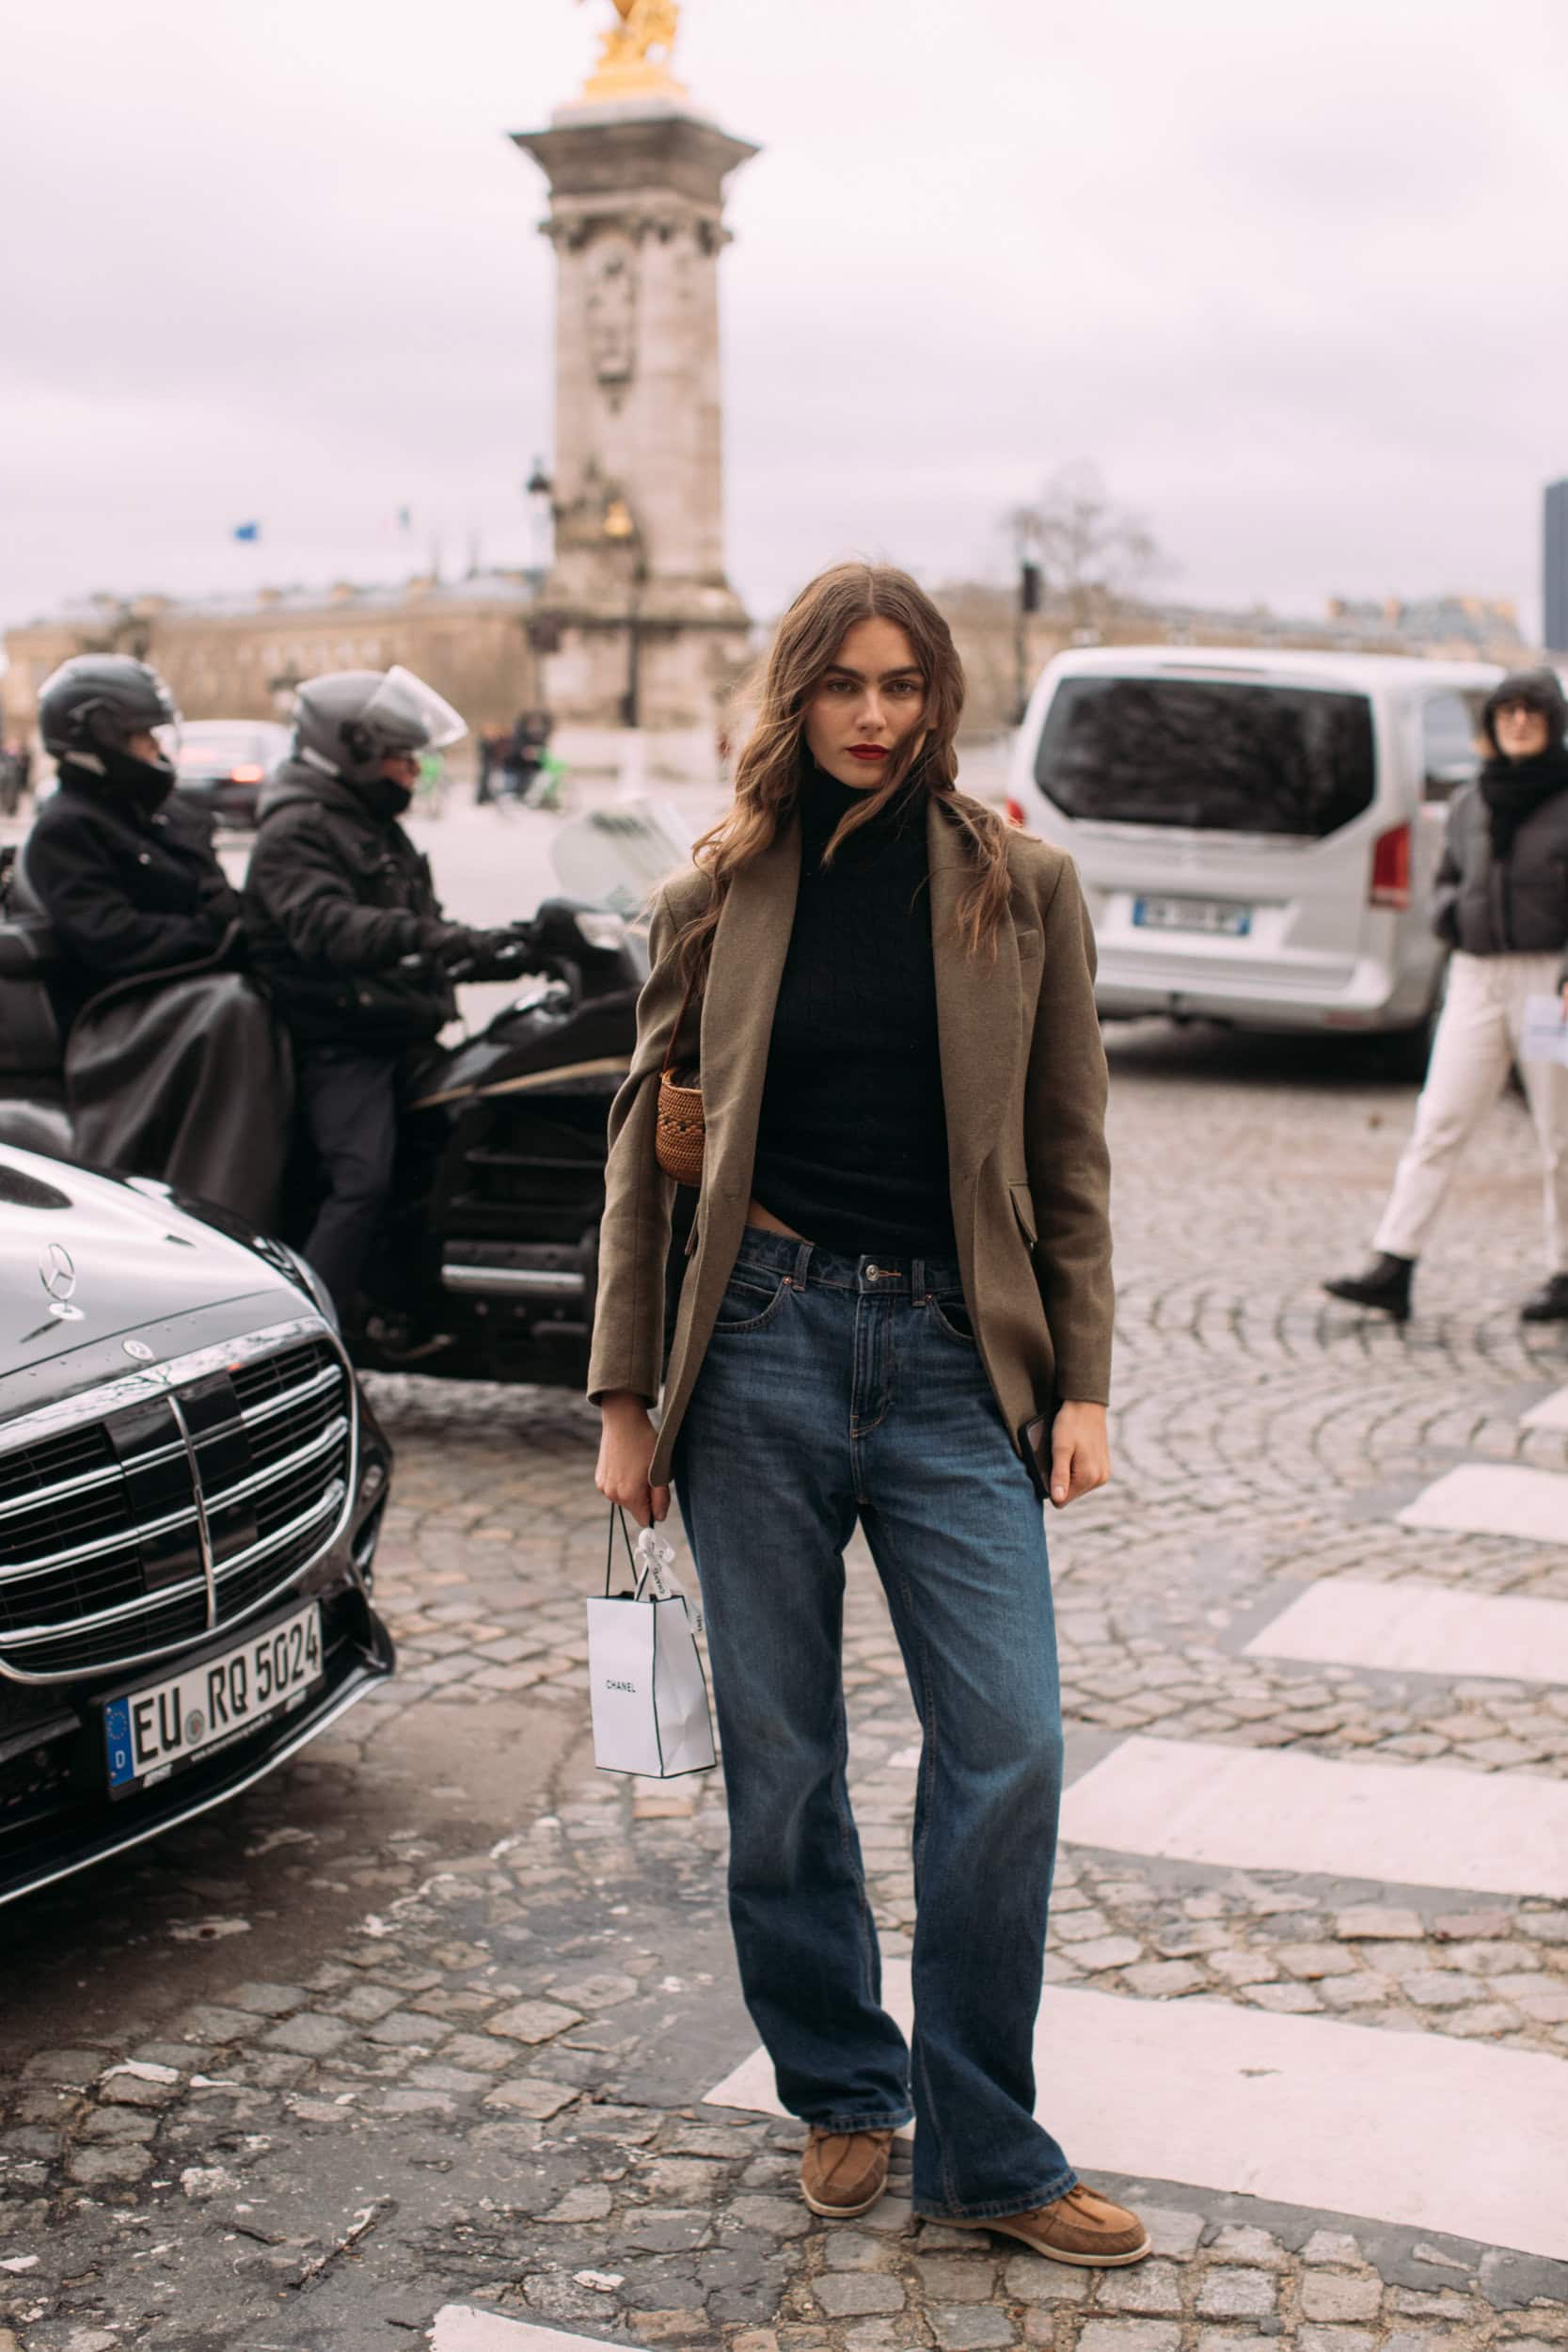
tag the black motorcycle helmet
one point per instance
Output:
(89, 711)
(1537, 690)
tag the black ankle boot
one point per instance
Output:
(1386, 1284)
(1549, 1304)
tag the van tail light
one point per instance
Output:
(246, 775)
(1014, 812)
(1391, 869)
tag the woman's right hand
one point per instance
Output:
(625, 1451)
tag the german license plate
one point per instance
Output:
(1213, 915)
(150, 1733)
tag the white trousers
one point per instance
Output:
(1475, 1047)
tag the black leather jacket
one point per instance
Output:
(335, 898)
(1517, 907)
(124, 892)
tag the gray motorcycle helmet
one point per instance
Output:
(94, 703)
(349, 720)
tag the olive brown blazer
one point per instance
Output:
(1023, 1079)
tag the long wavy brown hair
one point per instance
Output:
(767, 771)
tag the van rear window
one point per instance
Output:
(1206, 753)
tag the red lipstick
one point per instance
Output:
(867, 750)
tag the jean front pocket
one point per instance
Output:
(752, 1298)
(953, 1316)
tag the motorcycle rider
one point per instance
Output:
(345, 926)
(132, 887)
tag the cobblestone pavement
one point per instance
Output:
(428, 2020)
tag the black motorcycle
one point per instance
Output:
(487, 1267)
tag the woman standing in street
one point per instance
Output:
(1501, 903)
(900, 1260)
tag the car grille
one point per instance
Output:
(191, 1497)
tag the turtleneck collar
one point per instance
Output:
(824, 803)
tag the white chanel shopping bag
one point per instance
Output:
(645, 1679)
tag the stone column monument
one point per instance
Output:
(637, 626)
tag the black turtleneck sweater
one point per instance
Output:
(852, 1140)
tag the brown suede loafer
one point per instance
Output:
(1082, 2227)
(844, 2173)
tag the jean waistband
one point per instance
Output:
(805, 1262)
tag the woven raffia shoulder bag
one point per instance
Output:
(678, 1130)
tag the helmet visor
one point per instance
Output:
(406, 715)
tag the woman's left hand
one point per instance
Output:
(1079, 1453)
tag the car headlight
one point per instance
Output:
(602, 929)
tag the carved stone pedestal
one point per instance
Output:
(637, 625)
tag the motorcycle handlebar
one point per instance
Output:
(511, 953)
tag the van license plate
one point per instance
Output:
(1193, 914)
(152, 1732)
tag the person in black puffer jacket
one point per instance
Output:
(347, 932)
(1501, 903)
(173, 1065)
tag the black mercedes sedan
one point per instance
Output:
(191, 1492)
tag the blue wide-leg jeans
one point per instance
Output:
(835, 1388)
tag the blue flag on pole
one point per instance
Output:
(247, 530)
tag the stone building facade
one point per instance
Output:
(241, 658)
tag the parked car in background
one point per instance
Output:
(222, 764)
(1256, 833)
(191, 1491)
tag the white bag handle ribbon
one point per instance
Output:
(655, 1565)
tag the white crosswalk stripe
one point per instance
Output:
(1302, 2110)
(463, 2327)
(1421, 1628)
(1274, 1809)
(1551, 1413)
(1495, 1499)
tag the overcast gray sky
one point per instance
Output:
(1290, 274)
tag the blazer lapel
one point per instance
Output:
(978, 1005)
(749, 949)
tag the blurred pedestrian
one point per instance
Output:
(524, 755)
(901, 1067)
(1501, 903)
(490, 747)
(16, 762)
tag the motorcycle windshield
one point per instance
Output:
(617, 856)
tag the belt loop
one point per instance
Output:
(802, 1261)
(918, 1278)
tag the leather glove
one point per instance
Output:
(479, 955)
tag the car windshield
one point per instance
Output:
(1206, 753)
(219, 746)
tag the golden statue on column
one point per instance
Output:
(634, 55)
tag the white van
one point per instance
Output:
(1257, 832)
